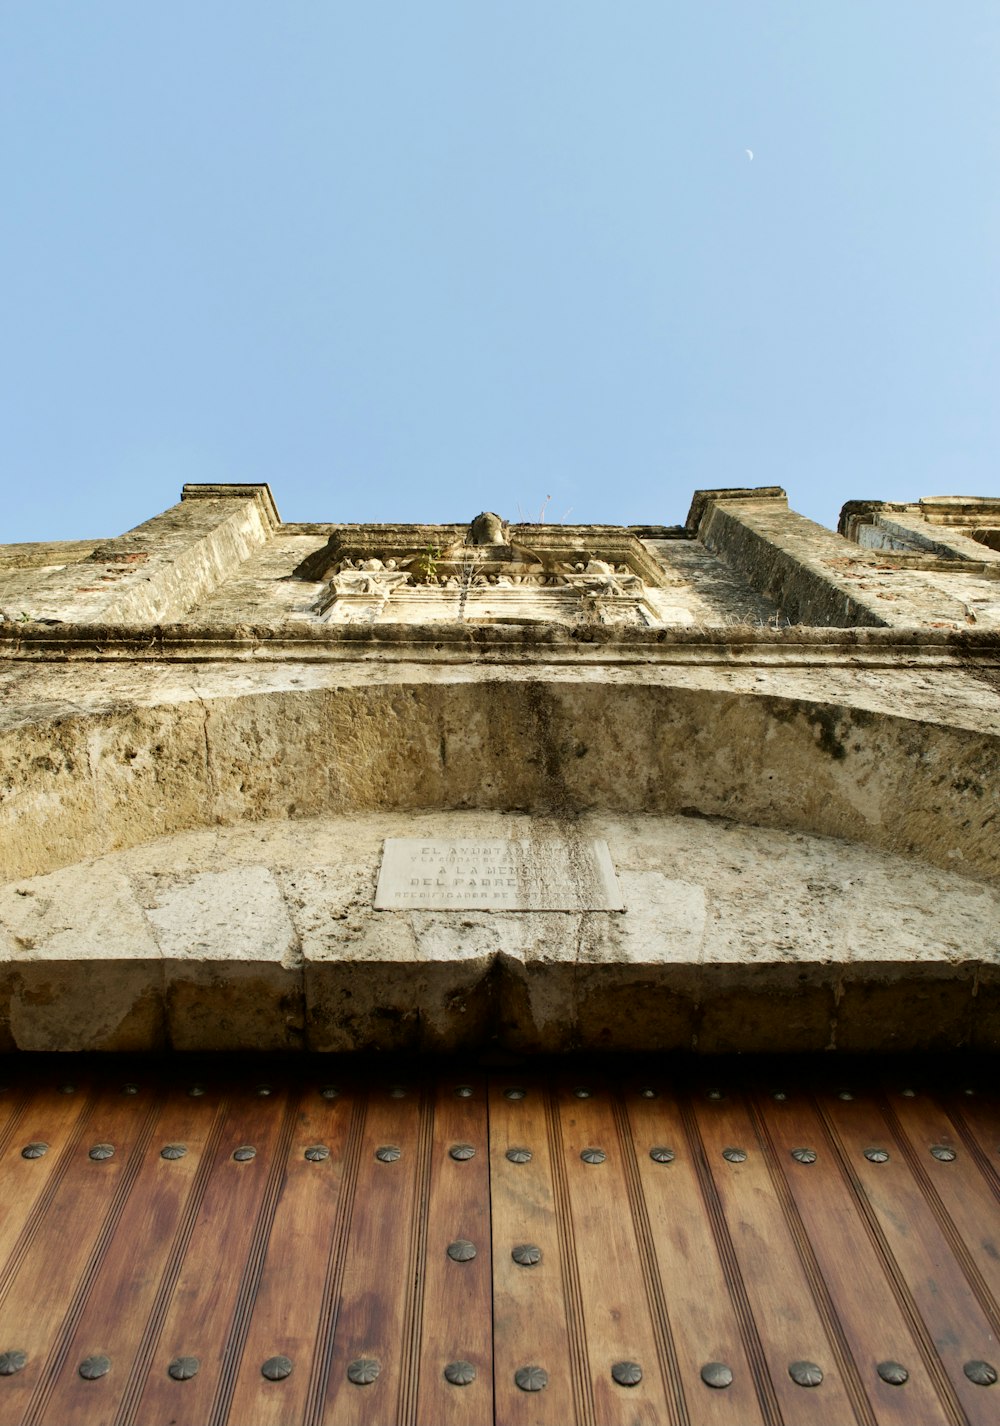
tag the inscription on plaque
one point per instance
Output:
(493, 874)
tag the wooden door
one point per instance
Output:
(340, 1241)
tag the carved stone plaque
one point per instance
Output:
(494, 874)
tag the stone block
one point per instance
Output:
(899, 1006)
(83, 969)
(232, 970)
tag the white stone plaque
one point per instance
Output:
(494, 874)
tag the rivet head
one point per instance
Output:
(264, 1091)
(11, 1362)
(982, 1373)
(717, 1375)
(713, 1094)
(526, 1255)
(196, 1091)
(99, 1152)
(893, 1372)
(647, 1092)
(388, 1153)
(316, 1153)
(363, 1370)
(173, 1151)
(593, 1156)
(844, 1094)
(93, 1367)
(734, 1156)
(627, 1373)
(461, 1251)
(34, 1150)
(330, 1091)
(397, 1091)
(463, 1091)
(461, 1152)
(460, 1373)
(531, 1378)
(514, 1092)
(183, 1368)
(245, 1153)
(877, 1156)
(582, 1092)
(908, 1093)
(779, 1095)
(805, 1373)
(944, 1152)
(519, 1156)
(662, 1155)
(276, 1368)
(804, 1156)
(130, 1089)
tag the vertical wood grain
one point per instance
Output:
(458, 1310)
(941, 1296)
(529, 1303)
(615, 1304)
(702, 1317)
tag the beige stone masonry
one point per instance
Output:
(817, 577)
(732, 938)
(155, 572)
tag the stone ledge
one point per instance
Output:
(733, 939)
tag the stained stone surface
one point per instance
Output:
(784, 743)
(732, 937)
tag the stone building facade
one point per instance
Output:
(728, 785)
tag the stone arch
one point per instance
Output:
(109, 770)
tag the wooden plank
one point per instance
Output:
(55, 1275)
(962, 1200)
(48, 1117)
(529, 1302)
(457, 1325)
(773, 1275)
(928, 1271)
(209, 1294)
(703, 1319)
(615, 1304)
(874, 1321)
(116, 1315)
(383, 1274)
(304, 1254)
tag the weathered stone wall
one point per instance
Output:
(794, 755)
(732, 938)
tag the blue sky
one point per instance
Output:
(407, 261)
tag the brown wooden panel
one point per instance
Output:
(291, 1310)
(457, 1314)
(874, 1322)
(670, 1261)
(778, 1283)
(703, 1320)
(530, 1303)
(53, 1280)
(383, 1274)
(129, 1285)
(960, 1197)
(928, 1273)
(205, 1314)
(615, 1304)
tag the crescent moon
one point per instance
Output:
(749, 154)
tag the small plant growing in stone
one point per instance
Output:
(425, 567)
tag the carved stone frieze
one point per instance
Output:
(484, 573)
